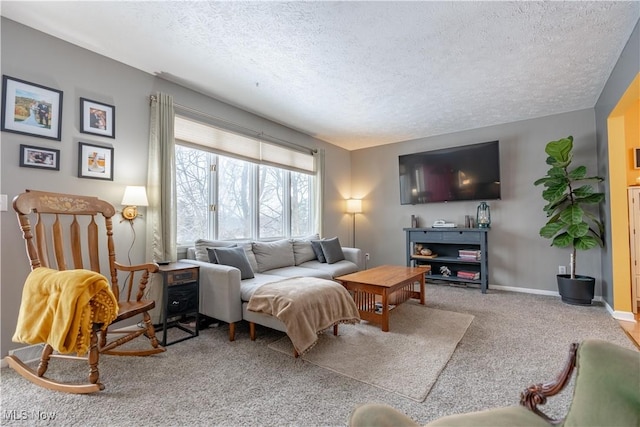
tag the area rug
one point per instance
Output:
(406, 360)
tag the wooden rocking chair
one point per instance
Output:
(53, 212)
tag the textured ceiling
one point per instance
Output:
(361, 74)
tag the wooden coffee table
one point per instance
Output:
(375, 289)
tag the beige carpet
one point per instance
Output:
(406, 360)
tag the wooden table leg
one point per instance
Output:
(335, 329)
(422, 297)
(385, 311)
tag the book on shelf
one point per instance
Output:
(470, 254)
(471, 275)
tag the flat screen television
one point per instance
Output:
(469, 172)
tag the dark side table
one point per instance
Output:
(180, 299)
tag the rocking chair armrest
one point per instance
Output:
(536, 394)
(151, 267)
(146, 269)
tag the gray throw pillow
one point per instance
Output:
(212, 256)
(332, 250)
(270, 255)
(201, 246)
(317, 248)
(235, 257)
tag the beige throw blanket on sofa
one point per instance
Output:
(307, 306)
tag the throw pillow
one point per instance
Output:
(317, 248)
(302, 251)
(235, 257)
(332, 250)
(248, 250)
(202, 245)
(212, 254)
(270, 255)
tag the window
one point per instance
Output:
(224, 197)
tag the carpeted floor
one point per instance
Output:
(514, 340)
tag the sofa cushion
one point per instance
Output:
(332, 250)
(202, 245)
(248, 286)
(235, 257)
(299, 271)
(317, 249)
(302, 251)
(270, 255)
(339, 268)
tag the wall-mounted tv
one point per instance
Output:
(469, 172)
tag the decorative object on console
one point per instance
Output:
(445, 271)
(441, 223)
(354, 206)
(134, 196)
(483, 215)
(31, 109)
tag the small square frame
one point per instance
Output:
(31, 109)
(95, 161)
(39, 157)
(97, 118)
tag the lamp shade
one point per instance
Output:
(135, 195)
(354, 206)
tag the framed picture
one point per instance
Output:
(97, 118)
(31, 109)
(636, 158)
(95, 161)
(39, 157)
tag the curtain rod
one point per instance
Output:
(153, 98)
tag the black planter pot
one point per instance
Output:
(576, 291)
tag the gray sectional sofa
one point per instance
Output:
(226, 284)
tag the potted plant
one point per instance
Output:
(567, 189)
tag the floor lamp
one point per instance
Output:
(354, 206)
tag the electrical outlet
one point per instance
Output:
(367, 256)
(562, 269)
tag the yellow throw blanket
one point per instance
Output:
(58, 307)
(307, 306)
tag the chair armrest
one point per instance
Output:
(146, 269)
(537, 394)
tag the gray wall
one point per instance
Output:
(626, 69)
(35, 57)
(518, 257)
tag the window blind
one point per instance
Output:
(235, 145)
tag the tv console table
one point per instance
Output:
(469, 266)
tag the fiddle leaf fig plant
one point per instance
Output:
(567, 190)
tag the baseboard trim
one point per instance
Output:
(597, 298)
(27, 354)
(626, 316)
(525, 290)
(618, 315)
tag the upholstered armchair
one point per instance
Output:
(607, 393)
